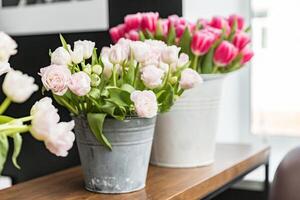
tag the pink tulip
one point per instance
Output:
(247, 55)
(117, 32)
(133, 21)
(217, 32)
(179, 29)
(202, 42)
(165, 26)
(192, 27)
(241, 39)
(225, 53)
(132, 35)
(220, 23)
(149, 21)
(203, 22)
(240, 21)
(173, 19)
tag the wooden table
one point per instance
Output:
(233, 161)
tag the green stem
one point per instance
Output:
(16, 130)
(215, 69)
(23, 119)
(4, 105)
(115, 75)
(195, 62)
(7, 126)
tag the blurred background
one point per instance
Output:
(261, 102)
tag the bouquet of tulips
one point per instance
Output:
(130, 78)
(218, 45)
(43, 121)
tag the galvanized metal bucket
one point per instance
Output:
(124, 169)
(186, 136)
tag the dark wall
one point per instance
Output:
(35, 160)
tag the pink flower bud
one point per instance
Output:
(117, 32)
(145, 103)
(173, 19)
(149, 21)
(225, 53)
(240, 21)
(202, 42)
(152, 76)
(203, 22)
(247, 55)
(241, 39)
(165, 27)
(132, 35)
(133, 21)
(220, 23)
(179, 29)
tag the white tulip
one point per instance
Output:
(108, 67)
(76, 54)
(18, 87)
(152, 76)
(4, 67)
(87, 47)
(170, 54)
(118, 54)
(41, 125)
(140, 51)
(61, 57)
(7, 47)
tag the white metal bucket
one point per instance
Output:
(186, 136)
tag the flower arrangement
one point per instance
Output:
(18, 88)
(218, 45)
(130, 78)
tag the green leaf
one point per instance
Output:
(148, 35)
(96, 121)
(142, 36)
(95, 57)
(5, 119)
(248, 29)
(111, 109)
(129, 76)
(166, 99)
(63, 42)
(207, 65)
(17, 148)
(4, 145)
(233, 30)
(159, 31)
(171, 35)
(119, 97)
(128, 88)
(185, 41)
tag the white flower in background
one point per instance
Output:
(170, 54)
(152, 76)
(80, 83)
(87, 47)
(61, 57)
(56, 78)
(8, 47)
(189, 79)
(156, 45)
(61, 138)
(163, 66)
(105, 52)
(4, 67)
(125, 44)
(118, 54)
(182, 60)
(107, 67)
(145, 103)
(76, 54)
(18, 87)
(140, 50)
(41, 125)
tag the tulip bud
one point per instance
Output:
(132, 35)
(179, 29)
(117, 32)
(225, 53)
(220, 23)
(97, 69)
(170, 54)
(173, 80)
(133, 21)
(247, 55)
(95, 93)
(95, 80)
(239, 19)
(149, 21)
(87, 69)
(240, 40)
(202, 42)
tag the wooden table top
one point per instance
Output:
(232, 160)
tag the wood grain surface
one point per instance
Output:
(231, 161)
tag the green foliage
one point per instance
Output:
(17, 138)
(171, 36)
(96, 121)
(185, 42)
(3, 150)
